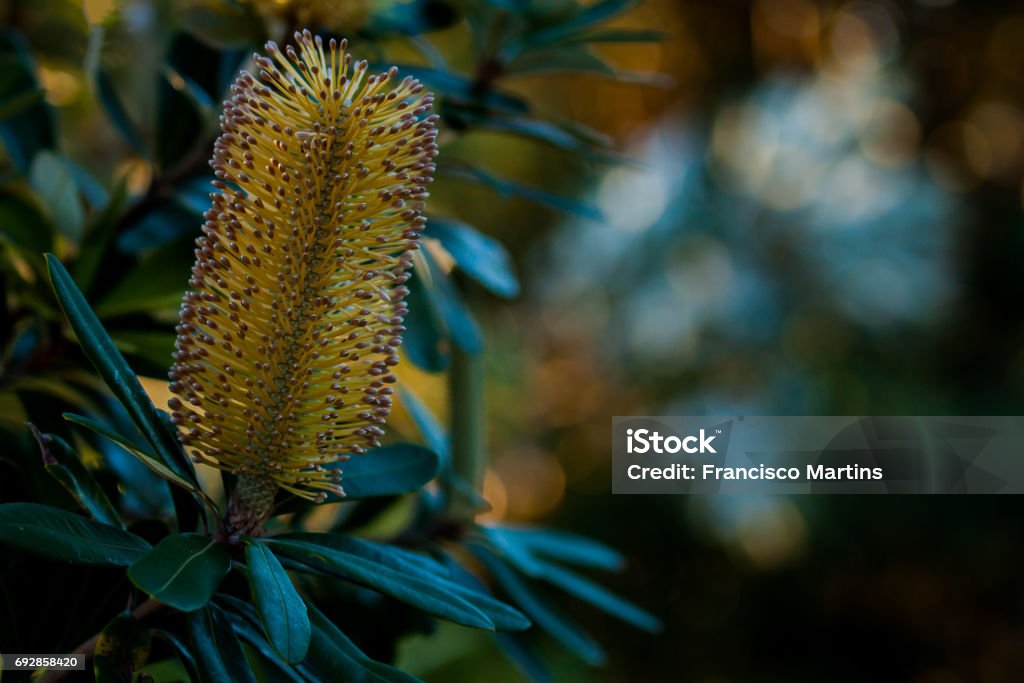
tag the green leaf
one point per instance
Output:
(116, 112)
(53, 182)
(430, 429)
(425, 341)
(281, 609)
(425, 595)
(98, 235)
(29, 124)
(247, 626)
(508, 548)
(64, 465)
(66, 536)
(181, 651)
(205, 107)
(561, 59)
(519, 652)
(100, 349)
(338, 658)
(219, 655)
(600, 597)
(408, 18)
(121, 650)
(461, 170)
(223, 24)
(24, 226)
(463, 328)
(147, 459)
(158, 283)
(150, 346)
(518, 546)
(562, 546)
(387, 471)
(479, 256)
(558, 626)
(581, 21)
(464, 89)
(622, 35)
(183, 570)
(513, 646)
(416, 566)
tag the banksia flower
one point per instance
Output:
(289, 333)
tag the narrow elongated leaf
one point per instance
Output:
(66, 536)
(600, 597)
(519, 556)
(183, 570)
(219, 655)
(512, 646)
(98, 235)
(112, 367)
(551, 134)
(338, 658)
(247, 626)
(562, 546)
(420, 567)
(393, 556)
(223, 25)
(205, 107)
(462, 327)
(56, 187)
(569, 58)
(123, 647)
(622, 35)
(63, 464)
(158, 283)
(29, 123)
(558, 626)
(108, 96)
(181, 650)
(506, 188)
(25, 226)
(428, 596)
(425, 342)
(465, 89)
(387, 471)
(519, 652)
(481, 257)
(281, 609)
(146, 458)
(581, 21)
(427, 424)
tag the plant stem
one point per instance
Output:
(468, 413)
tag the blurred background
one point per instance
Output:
(820, 211)
(824, 217)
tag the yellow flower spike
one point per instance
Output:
(289, 333)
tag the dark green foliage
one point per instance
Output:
(279, 605)
(182, 571)
(91, 276)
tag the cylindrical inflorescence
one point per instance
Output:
(289, 332)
